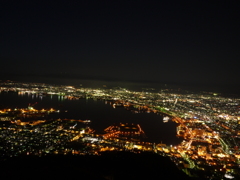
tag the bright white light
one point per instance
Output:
(229, 176)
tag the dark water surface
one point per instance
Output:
(101, 114)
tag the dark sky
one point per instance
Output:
(179, 41)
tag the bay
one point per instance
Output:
(100, 113)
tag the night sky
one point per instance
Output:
(182, 42)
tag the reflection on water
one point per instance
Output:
(100, 113)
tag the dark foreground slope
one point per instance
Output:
(111, 165)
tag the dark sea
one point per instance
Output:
(101, 114)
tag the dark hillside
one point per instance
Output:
(111, 165)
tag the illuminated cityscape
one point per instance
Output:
(112, 90)
(207, 122)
